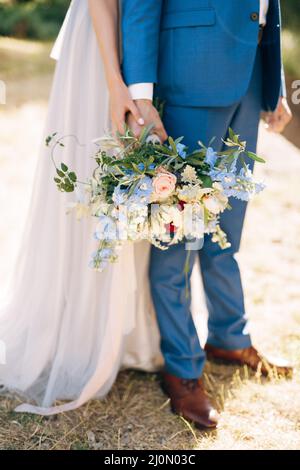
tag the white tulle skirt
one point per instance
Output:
(68, 330)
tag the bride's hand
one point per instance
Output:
(121, 104)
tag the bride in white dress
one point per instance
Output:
(68, 330)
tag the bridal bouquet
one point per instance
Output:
(141, 189)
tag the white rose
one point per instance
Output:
(212, 204)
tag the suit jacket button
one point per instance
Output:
(254, 16)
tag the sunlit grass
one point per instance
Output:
(23, 46)
(24, 58)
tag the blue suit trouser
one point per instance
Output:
(227, 323)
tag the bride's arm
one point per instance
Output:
(105, 17)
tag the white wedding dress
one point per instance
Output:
(67, 329)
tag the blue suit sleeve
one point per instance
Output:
(140, 40)
(283, 91)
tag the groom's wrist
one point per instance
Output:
(141, 91)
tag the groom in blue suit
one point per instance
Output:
(217, 64)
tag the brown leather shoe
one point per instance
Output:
(250, 357)
(189, 399)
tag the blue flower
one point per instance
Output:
(233, 166)
(240, 186)
(152, 166)
(181, 149)
(105, 253)
(142, 191)
(127, 171)
(119, 196)
(141, 194)
(97, 262)
(237, 194)
(141, 166)
(106, 228)
(245, 174)
(211, 157)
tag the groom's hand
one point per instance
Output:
(151, 116)
(279, 119)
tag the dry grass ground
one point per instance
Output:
(256, 413)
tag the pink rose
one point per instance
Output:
(164, 183)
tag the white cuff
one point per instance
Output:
(141, 91)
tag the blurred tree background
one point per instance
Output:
(41, 19)
(291, 14)
(291, 37)
(34, 19)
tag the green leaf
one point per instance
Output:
(194, 162)
(64, 167)
(50, 138)
(230, 143)
(211, 141)
(230, 159)
(136, 169)
(60, 173)
(197, 154)
(132, 188)
(206, 215)
(225, 153)
(68, 188)
(201, 144)
(57, 180)
(72, 176)
(179, 140)
(163, 149)
(173, 145)
(206, 180)
(231, 134)
(255, 157)
(179, 166)
(145, 133)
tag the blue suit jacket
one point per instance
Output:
(201, 52)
